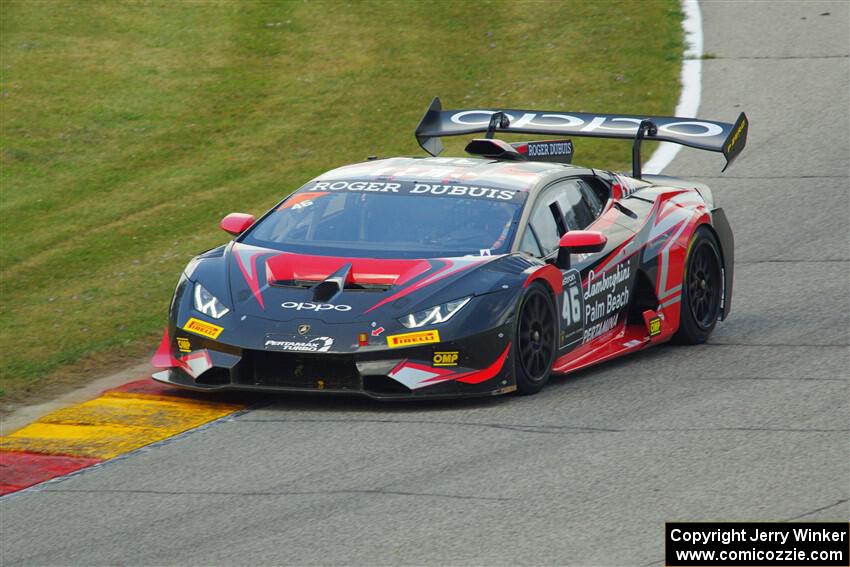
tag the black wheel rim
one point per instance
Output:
(536, 337)
(704, 285)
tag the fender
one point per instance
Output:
(550, 275)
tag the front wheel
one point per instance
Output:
(702, 289)
(534, 346)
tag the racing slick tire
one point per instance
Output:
(702, 289)
(534, 344)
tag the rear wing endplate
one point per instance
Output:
(729, 139)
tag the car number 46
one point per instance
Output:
(572, 309)
(572, 305)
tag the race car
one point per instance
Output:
(434, 277)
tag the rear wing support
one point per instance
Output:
(728, 139)
(645, 127)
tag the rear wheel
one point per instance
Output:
(702, 289)
(535, 340)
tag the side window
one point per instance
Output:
(579, 203)
(600, 190)
(571, 204)
(591, 194)
(529, 243)
(544, 222)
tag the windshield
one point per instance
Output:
(392, 220)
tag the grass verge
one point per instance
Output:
(127, 129)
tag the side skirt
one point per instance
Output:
(623, 340)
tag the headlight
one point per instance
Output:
(206, 303)
(434, 315)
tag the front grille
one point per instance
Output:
(297, 370)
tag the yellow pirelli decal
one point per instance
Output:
(411, 339)
(202, 328)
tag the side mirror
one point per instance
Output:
(236, 223)
(579, 242)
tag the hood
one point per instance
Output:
(282, 286)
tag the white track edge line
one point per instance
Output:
(691, 79)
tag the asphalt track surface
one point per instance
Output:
(752, 426)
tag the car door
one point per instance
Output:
(593, 300)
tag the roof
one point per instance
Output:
(516, 175)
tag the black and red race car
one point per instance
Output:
(443, 277)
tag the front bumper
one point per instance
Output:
(478, 365)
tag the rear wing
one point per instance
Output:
(729, 139)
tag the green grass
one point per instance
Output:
(128, 129)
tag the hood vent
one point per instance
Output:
(333, 284)
(349, 286)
